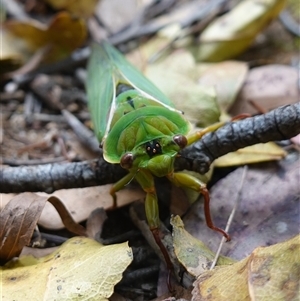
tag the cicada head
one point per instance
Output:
(147, 137)
(156, 155)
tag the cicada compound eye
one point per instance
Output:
(180, 140)
(127, 161)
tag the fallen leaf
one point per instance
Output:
(64, 34)
(81, 202)
(81, 8)
(192, 253)
(176, 76)
(252, 154)
(226, 78)
(269, 273)
(230, 34)
(268, 86)
(273, 272)
(19, 218)
(81, 269)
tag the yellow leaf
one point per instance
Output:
(232, 33)
(252, 154)
(192, 253)
(81, 269)
(269, 273)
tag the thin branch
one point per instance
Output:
(280, 124)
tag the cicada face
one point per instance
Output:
(157, 155)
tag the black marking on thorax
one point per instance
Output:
(130, 102)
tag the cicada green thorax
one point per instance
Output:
(144, 134)
(130, 100)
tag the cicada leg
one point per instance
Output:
(186, 180)
(118, 186)
(193, 137)
(146, 181)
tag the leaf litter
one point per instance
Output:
(80, 269)
(258, 228)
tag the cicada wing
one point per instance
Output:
(107, 68)
(135, 78)
(100, 88)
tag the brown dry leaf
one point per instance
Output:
(19, 218)
(65, 216)
(17, 222)
(64, 34)
(81, 202)
(269, 273)
(268, 86)
(252, 154)
(78, 8)
(80, 269)
(227, 79)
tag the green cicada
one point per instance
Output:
(139, 128)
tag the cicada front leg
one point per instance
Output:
(183, 179)
(145, 179)
(193, 137)
(118, 186)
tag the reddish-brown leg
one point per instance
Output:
(208, 218)
(165, 253)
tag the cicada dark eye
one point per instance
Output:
(127, 161)
(180, 140)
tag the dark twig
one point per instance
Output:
(280, 124)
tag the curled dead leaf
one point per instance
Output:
(17, 222)
(19, 218)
